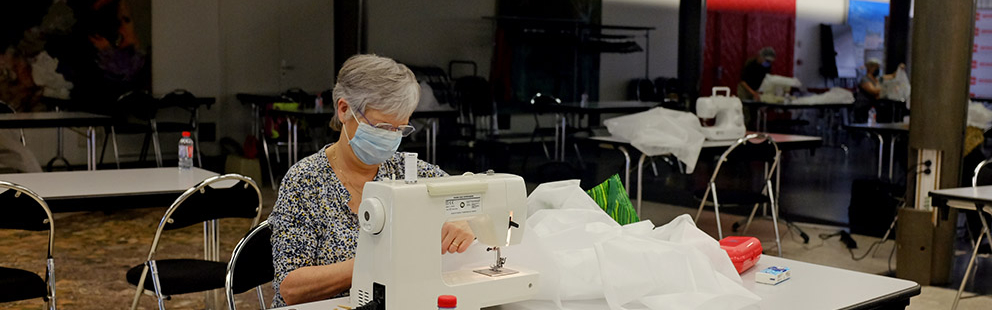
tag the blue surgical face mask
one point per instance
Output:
(372, 145)
(766, 64)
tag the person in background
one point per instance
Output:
(754, 72)
(314, 221)
(870, 90)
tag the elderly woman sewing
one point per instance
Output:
(314, 221)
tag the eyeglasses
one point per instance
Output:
(404, 130)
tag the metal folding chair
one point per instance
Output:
(205, 204)
(4, 109)
(982, 176)
(251, 262)
(134, 113)
(752, 148)
(25, 210)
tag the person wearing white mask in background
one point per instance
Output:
(314, 221)
(870, 91)
(753, 74)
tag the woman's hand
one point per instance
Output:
(456, 237)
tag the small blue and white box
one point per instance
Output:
(773, 275)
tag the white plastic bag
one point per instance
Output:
(588, 261)
(898, 88)
(661, 131)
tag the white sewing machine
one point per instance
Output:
(728, 112)
(399, 247)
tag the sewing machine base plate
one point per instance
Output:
(491, 273)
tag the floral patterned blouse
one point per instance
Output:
(311, 222)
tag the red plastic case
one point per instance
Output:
(744, 252)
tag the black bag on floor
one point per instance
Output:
(873, 206)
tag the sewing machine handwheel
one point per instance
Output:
(371, 216)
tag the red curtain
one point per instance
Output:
(737, 29)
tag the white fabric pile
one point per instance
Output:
(428, 102)
(43, 73)
(834, 95)
(979, 116)
(661, 131)
(588, 261)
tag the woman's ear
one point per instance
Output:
(342, 109)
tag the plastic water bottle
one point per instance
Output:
(446, 302)
(318, 104)
(872, 116)
(185, 152)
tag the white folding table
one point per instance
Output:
(60, 120)
(977, 198)
(811, 287)
(784, 141)
(108, 189)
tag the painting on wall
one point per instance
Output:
(74, 54)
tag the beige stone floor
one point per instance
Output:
(94, 250)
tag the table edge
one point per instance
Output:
(900, 295)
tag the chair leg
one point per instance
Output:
(582, 162)
(716, 210)
(196, 142)
(967, 271)
(749, 219)
(158, 149)
(268, 162)
(103, 150)
(654, 168)
(771, 198)
(141, 287)
(50, 275)
(145, 144)
(157, 285)
(113, 137)
(702, 203)
(261, 299)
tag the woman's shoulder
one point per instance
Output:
(313, 166)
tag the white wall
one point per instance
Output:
(217, 48)
(809, 15)
(221, 47)
(185, 54)
(432, 32)
(616, 70)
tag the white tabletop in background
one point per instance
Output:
(969, 193)
(108, 183)
(967, 196)
(778, 137)
(811, 287)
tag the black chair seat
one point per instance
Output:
(181, 276)
(173, 127)
(729, 197)
(131, 128)
(17, 284)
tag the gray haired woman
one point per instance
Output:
(314, 221)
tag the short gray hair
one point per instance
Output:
(378, 83)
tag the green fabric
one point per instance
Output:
(612, 197)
